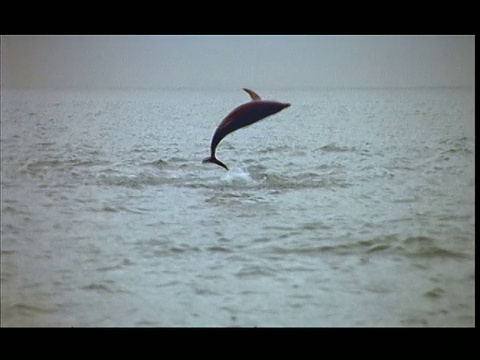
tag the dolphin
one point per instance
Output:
(243, 115)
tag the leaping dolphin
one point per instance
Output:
(243, 115)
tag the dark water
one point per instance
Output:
(350, 208)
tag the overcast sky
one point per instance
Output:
(236, 61)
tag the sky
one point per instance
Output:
(201, 61)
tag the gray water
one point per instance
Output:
(350, 208)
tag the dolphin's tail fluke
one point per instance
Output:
(213, 159)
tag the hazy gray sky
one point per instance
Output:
(236, 61)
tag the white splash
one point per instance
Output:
(238, 175)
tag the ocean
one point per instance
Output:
(352, 207)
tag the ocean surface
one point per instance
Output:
(350, 208)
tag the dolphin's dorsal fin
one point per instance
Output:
(252, 94)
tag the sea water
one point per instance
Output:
(352, 207)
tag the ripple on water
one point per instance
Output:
(411, 247)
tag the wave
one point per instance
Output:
(412, 247)
(159, 164)
(237, 179)
(30, 309)
(133, 180)
(178, 172)
(458, 146)
(426, 247)
(333, 147)
(306, 180)
(274, 149)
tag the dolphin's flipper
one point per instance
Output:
(253, 94)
